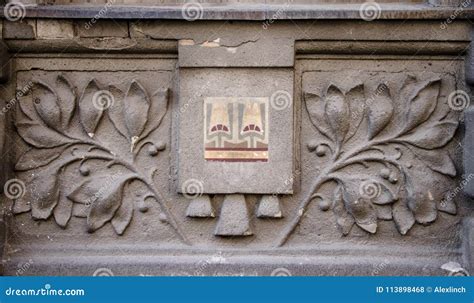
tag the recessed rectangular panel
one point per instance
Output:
(236, 130)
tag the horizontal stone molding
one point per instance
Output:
(249, 11)
(454, 48)
(92, 45)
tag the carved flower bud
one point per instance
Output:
(152, 150)
(163, 218)
(142, 207)
(84, 171)
(393, 178)
(160, 145)
(312, 145)
(321, 151)
(324, 205)
(385, 173)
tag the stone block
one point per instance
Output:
(101, 28)
(24, 29)
(55, 29)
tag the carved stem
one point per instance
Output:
(321, 179)
(140, 177)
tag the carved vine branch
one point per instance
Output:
(49, 125)
(418, 130)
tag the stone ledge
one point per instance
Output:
(227, 263)
(248, 12)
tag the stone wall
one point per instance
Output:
(337, 148)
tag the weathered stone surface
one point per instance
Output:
(54, 29)
(468, 148)
(364, 162)
(200, 207)
(260, 11)
(101, 28)
(233, 218)
(24, 29)
(269, 207)
(256, 53)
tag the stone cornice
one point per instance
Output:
(249, 11)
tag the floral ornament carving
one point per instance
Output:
(422, 127)
(61, 125)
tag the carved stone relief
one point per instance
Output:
(373, 133)
(376, 144)
(98, 132)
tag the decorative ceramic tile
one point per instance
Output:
(236, 129)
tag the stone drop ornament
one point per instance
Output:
(60, 128)
(423, 128)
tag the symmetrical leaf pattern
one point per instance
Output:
(48, 127)
(391, 194)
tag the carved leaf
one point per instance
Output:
(136, 107)
(45, 102)
(158, 109)
(422, 103)
(90, 113)
(420, 203)
(115, 111)
(403, 217)
(360, 208)
(384, 212)
(122, 217)
(380, 111)
(344, 220)
(432, 136)
(423, 208)
(337, 113)
(67, 99)
(63, 210)
(39, 136)
(103, 194)
(35, 158)
(447, 205)
(316, 110)
(355, 99)
(437, 160)
(42, 194)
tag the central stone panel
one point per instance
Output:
(236, 130)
